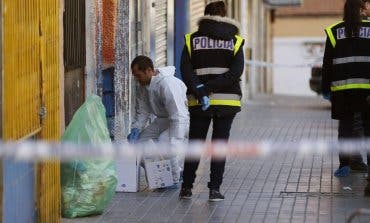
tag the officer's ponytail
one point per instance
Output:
(352, 16)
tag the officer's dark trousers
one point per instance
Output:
(352, 128)
(198, 131)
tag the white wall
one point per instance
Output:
(295, 51)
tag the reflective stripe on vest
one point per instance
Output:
(218, 99)
(354, 59)
(238, 44)
(353, 83)
(211, 70)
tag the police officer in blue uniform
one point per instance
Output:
(346, 78)
(211, 65)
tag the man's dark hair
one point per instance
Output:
(143, 63)
(216, 9)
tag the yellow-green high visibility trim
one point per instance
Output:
(238, 44)
(234, 103)
(350, 86)
(188, 42)
(330, 34)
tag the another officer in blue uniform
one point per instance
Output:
(346, 78)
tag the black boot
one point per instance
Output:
(185, 193)
(215, 195)
(367, 190)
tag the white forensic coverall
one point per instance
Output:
(165, 98)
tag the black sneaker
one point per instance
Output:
(359, 167)
(215, 195)
(185, 193)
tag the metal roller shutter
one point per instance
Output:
(161, 33)
(74, 56)
(74, 34)
(196, 11)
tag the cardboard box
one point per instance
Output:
(158, 173)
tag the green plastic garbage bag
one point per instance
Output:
(87, 185)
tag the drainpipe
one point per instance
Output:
(91, 37)
(182, 19)
(122, 80)
(99, 48)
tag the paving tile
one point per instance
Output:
(279, 188)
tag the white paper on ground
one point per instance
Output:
(128, 173)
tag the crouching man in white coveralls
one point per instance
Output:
(162, 95)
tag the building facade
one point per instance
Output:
(299, 40)
(156, 28)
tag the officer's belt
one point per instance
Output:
(354, 59)
(353, 83)
(211, 70)
(218, 99)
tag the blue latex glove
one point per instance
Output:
(134, 135)
(326, 96)
(205, 102)
(342, 172)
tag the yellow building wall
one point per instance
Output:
(48, 174)
(21, 69)
(302, 26)
(32, 68)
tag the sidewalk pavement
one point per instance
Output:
(277, 188)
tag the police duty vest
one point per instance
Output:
(351, 64)
(212, 57)
(350, 76)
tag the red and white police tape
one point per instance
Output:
(36, 151)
